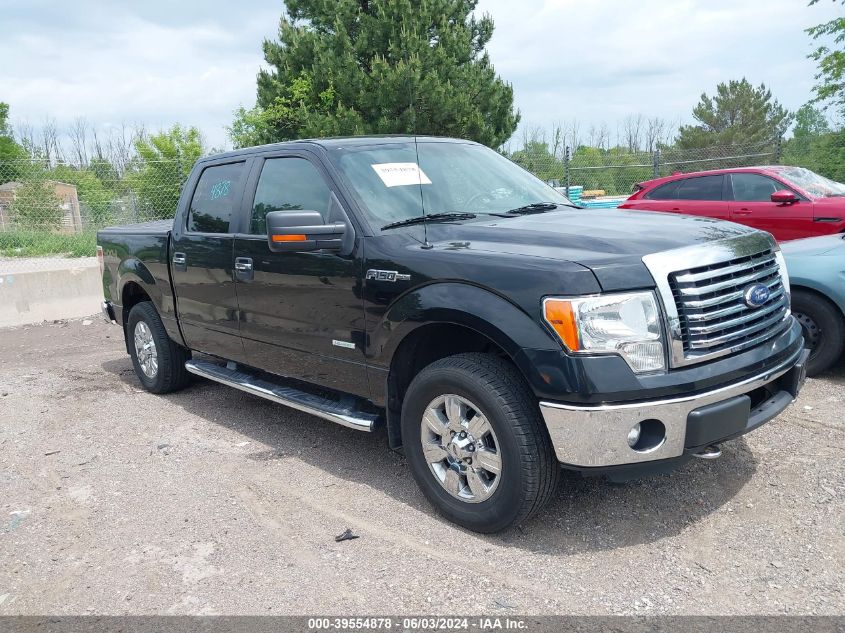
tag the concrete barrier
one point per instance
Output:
(46, 289)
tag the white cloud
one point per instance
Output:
(124, 68)
(604, 59)
(161, 62)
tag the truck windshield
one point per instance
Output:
(396, 181)
(811, 182)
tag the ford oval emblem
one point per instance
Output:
(756, 295)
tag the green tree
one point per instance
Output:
(164, 162)
(12, 154)
(379, 66)
(830, 156)
(805, 148)
(36, 206)
(810, 122)
(814, 145)
(105, 172)
(291, 115)
(737, 113)
(536, 158)
(5, 128)
(93, 194)
(584, 161)
(831, 61)
(630, 170)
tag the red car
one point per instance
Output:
(788, 202)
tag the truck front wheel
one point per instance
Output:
(476, 442)
(159, 362)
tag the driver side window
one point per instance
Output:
(753, 187)
(288, 184)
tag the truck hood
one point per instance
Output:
(610, 242)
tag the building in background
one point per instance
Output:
(65, 194)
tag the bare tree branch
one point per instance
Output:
(78, 134)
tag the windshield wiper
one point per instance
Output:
(539, 207)
(433, 217)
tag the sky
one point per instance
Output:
(159, 62)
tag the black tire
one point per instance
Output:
(529, 468)
(171, 374)
(824, 329)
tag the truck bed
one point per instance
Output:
(153, 227)
(138, 253)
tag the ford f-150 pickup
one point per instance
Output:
(433, 288)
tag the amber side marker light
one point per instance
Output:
(289, 238)
(560, 315)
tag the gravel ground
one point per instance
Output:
(211, 501)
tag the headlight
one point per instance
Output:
(626, 324)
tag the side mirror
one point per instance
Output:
(302, 231)
(784, 196)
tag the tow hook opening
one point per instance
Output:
(647, 435)
(709, 452)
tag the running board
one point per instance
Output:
(343, 412)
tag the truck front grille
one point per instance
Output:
(712, 309)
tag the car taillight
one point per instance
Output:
(101, 260)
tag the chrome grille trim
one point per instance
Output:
(717, 341)
(764, 275)
(701, 290)
(727, 270)
(772, 306)
(723, 312)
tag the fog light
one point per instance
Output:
(634, 435)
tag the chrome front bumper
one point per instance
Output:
(595, 436)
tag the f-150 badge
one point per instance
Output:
(386, 275)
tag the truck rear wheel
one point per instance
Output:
(476, 442)
(159, 362)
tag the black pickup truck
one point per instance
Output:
(432, 287)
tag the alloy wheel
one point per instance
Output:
(145, 349)
(461, 448)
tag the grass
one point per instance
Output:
(41, 243)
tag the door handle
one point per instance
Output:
(742, 211)
(180, 262)
(243, 269)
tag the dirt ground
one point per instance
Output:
(212, 501)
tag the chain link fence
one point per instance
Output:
(56, 209)
(604, 177)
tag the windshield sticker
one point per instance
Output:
(399, 174)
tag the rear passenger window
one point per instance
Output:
(753, 187)
(288, 184)
(215, 198)
(700, 188)
(664, 192)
